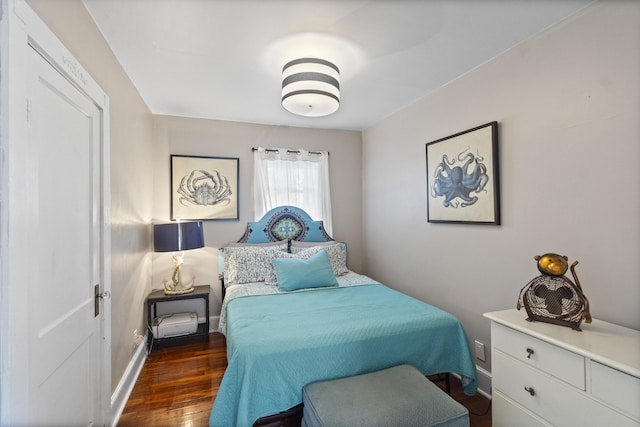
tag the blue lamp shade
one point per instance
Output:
(177, 236)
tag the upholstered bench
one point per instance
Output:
(393, 397)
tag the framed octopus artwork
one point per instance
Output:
(462, 177)
(204, 187)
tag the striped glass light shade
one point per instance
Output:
(310, 87)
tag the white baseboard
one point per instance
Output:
(214, 321)
(484, 381)
(127, 382)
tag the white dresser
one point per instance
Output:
(550, 375)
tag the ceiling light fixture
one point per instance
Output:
(310, 87)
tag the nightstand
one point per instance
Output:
(158, 296)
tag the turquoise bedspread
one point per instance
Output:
(276, 344)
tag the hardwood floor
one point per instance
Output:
(479, 406)
(177, 387)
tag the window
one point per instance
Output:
(293, 177)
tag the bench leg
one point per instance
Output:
(442, 377)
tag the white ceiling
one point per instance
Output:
(222, 59)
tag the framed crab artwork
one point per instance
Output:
(463, 177)
(204, 187)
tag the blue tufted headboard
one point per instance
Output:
(285, 223)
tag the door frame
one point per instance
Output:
(20, 30)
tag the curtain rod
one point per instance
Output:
(288, 151)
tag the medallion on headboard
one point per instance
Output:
(285, 223)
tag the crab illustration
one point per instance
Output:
(459, 181)
(204, 189)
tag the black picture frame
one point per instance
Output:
(204, 188)
(463, 181)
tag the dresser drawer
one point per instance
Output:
(552, 400)
(616, 388)
(565, 365)
(506, 413)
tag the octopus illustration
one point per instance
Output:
(204, 189)
(459, 181)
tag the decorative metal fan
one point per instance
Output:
(553, 298)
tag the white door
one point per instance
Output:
(65, 337)
(54, 230)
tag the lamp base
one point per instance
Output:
(175, 285)
(179, 288)
(178, 291)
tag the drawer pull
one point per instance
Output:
(530, 351)
(531, 391)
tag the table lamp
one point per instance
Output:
(178, 237)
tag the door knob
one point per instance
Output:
(97, 296)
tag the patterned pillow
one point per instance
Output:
(247, 264)
(304, 244)
(337, 255)
(256, 245)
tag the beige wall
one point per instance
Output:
(568, 110)
(131, 172)
(567, 103)
(140, 148)
(177, 135)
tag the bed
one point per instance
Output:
(293, 314)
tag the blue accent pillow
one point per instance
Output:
(298, 273)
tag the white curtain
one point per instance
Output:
(293, 177)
